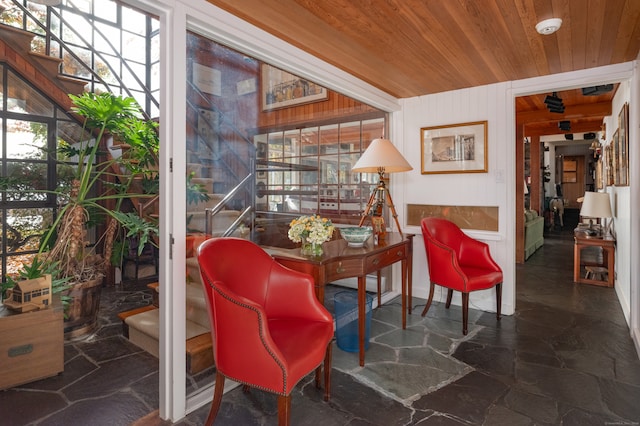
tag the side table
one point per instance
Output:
(608, 244)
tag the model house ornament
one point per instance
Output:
(30, 295)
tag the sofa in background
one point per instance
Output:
(533, 232)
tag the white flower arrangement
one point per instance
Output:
(314, 229)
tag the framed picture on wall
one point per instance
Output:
(615, 157)
(608, 164)
(280, 89)
(599, 178)
(455, 148)
(622, 152)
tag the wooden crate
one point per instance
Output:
(31, 345)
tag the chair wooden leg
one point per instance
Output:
(327, 372)
(317, 375)
(428, 305)
(498, 300)
(284, 410)
(465, 312)
(217, 399)
(449, 297)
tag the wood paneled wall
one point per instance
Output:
(244, 110)
(336, 105)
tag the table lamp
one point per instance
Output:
(596, 205)
(381, 157)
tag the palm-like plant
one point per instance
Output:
(65, 242)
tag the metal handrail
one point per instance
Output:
(236, 223)
(212, 211)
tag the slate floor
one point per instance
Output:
(564, 358)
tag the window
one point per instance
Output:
(31, 125)
(308, 170)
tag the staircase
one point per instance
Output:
(41, 70)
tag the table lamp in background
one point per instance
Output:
(381, 157)
(596, 205)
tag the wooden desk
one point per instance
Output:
(341, 261)
(608, 245)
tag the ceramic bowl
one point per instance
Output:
(356, 236)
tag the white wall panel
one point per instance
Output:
(464, 189)
(621, 203)
(495, 103)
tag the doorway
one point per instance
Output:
(572, 176)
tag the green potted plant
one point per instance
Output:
(98, 188)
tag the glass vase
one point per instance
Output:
(310, 249)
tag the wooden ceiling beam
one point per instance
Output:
(600, 109)
(552, 129)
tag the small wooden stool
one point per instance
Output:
(597, 273)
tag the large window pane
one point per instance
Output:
(26, 139)
(24, 99)
(25, 228)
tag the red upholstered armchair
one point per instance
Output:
(458, 262)
(267, 327)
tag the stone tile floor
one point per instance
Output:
(564, 358)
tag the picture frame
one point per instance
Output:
(615, 157)
(599, 174)
(280, 89)
(622, 152)
(454, 148)
(608, 164)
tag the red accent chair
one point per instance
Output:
(267, 327)
(458, 262)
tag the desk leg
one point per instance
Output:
(404, 293)
(379, 288)
(362, 301)
(576, 263)
(410, 274)
(611, 267)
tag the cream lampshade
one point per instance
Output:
(381, 154)
(596, 205)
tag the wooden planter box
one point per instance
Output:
(31, 345)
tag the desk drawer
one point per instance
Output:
(344, 269)
(386, 258)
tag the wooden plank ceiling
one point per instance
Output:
(416, 47)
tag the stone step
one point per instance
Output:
(219, 223)
(144, 332)
(73, 85)
(213, 200)
(17, 37)
(199, 353)
(49, 63)
(124, 315)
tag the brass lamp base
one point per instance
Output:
(380, 193)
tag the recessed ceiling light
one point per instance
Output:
(548, 26)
